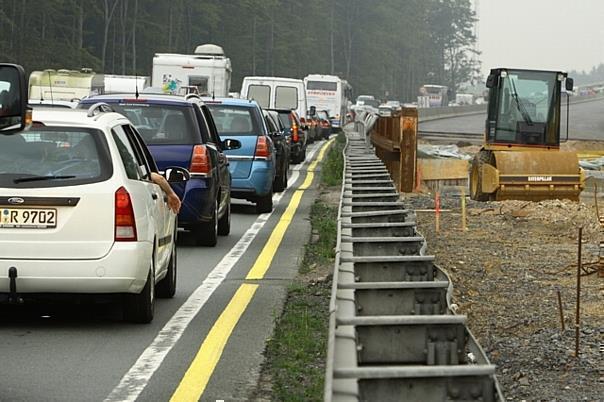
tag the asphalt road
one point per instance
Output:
(586, 122)
(85, 352)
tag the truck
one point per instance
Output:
(207, 72)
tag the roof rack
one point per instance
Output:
(100, 107)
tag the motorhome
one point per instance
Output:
(206, 72)
(276, 93)
(68, 85)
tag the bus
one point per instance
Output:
(433, 96)
(330, 93)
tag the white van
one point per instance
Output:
(207, 72)
(276, 93)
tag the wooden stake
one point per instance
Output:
(463, 210)
(560, 310)
(437, 211)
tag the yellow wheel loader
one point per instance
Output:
(521, 157)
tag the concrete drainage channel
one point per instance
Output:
(392, 333)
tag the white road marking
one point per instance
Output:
(137, 378)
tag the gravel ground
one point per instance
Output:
(506, 269)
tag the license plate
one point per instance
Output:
(30, 218)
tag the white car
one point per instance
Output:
(79, 213)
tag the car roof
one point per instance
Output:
(154, 99)
(230, 101)
(76, 118)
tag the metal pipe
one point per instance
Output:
(578, 312)
(560, 310)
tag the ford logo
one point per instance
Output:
(16, 200)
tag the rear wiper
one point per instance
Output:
(41, 178)
(521, 109)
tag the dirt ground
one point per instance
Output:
(506, 271)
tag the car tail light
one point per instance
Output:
(295, 134)
(262, 147)
(200, 161)
(125, 223)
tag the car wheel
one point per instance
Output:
(278, 183)
(206, 234)
(224, 224)
(139, 308)
(265, 203)
(166, 288)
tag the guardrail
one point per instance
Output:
(392, 332)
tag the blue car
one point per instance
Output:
(252, 166)
(180, 132)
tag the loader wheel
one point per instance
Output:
(476, 176)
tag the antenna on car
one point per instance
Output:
(136, 94)
(52, 101)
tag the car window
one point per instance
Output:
(285, 119)
(286, 97)
(202, 123)
(213, 131)
(72, 155)
(235, 120)
(131, 131)
(260, 93)
(160, 124)
(127, 153)
(270, 124)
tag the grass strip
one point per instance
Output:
(295, 356)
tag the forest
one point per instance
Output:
(386, 48)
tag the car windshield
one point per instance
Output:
(234, 120)
(160, 124)
(53, 156)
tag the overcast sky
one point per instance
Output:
(541, 34)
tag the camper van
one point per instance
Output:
(207, 72)
(67, 85)
(276, 93)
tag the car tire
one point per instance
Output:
(224, 224)
(140, 308)
(166, 288)
(264, 204)
(279, 180)
(206, 234)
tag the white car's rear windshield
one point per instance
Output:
(235, 120)
(53, 157)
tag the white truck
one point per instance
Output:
(207, 72)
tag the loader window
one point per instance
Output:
(526, 112)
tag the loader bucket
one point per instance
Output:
(538, 175)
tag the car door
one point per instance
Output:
(147, 197)
(223, 163)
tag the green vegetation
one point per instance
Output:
(295, 356)
(386, 48)
(333, 165)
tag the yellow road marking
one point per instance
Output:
(199, 372)
(263, 262)
(197, 376)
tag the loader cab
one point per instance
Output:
(15, 116)
(524, 108)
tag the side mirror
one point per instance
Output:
(176, 174)
(230, 143)
(313, 111)
(15, 115)
(491, 81)
(570, 84)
